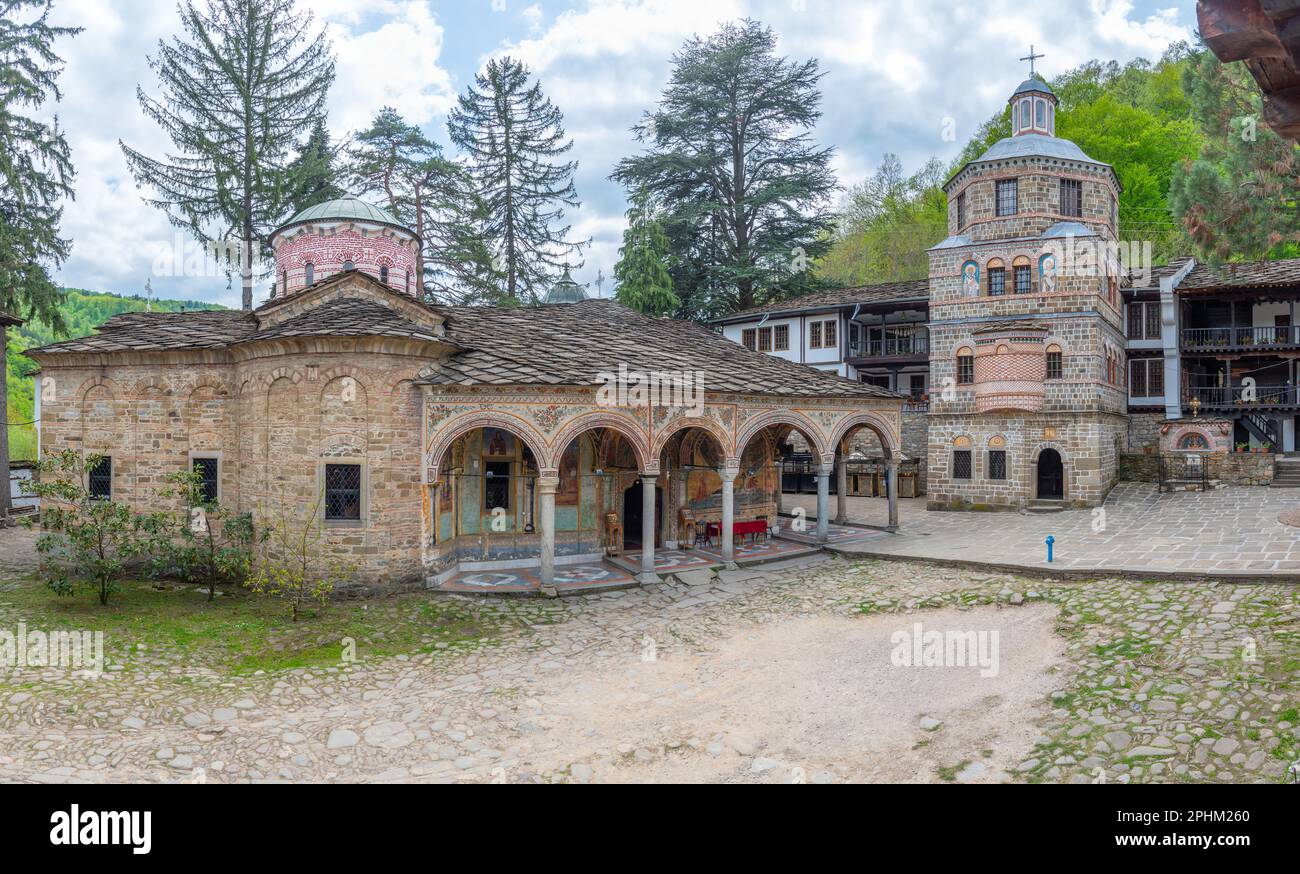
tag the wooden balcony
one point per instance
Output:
(1213, 340)
(1244, 399)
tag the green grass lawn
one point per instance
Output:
(240, 633)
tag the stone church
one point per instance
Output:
(507, 448)
(1028, 398)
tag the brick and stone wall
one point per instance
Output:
(375, 250)
(1227, 468)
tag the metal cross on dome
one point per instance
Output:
(1031, 57)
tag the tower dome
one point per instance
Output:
(342, 235)
(1033, 109)
(566, 291)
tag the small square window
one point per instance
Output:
(343, 493)
(997, 464)
(100, 479)
(208, 471)
(1008, 191)
(961, 464)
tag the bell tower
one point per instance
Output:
(1028, 400)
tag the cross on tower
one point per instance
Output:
(1031, 57)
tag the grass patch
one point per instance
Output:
(239, 633)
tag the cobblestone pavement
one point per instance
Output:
(1233, 530)
(1112, 680)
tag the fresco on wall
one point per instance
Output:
(970, 279)
(570, 479)
(1047, 273)
(498, 443)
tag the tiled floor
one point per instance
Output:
(771, 548)
(667, 561)
(525, 580)
(1232, 530)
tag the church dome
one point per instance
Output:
(344, 235)
(345, 209)
(566, 291)
(1031, 85)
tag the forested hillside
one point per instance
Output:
(83, 311)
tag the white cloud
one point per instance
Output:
(892, 76)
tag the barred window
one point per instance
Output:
(343, 492)
(1055, 363)
(1153, 321)
(997, 280)
(1071, 197)
(829, 338)
(1022, 279)
(815, 335)
(207, 469)
(383, 274)
(100, 479)
(781, 338)
(961, 212)
(1007, 197)
(965, 367)
(997, 464)
(764, 339)
(961, 466)
(747, 338)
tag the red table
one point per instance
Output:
(738, 529)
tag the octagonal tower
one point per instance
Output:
(344, 234)
(1026, 331)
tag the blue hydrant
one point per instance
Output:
(1050, 541)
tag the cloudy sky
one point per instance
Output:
(896, 69)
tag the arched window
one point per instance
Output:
(1024, 114)
(997, 277)
(408, 282)
(1040, 113)
(961, 458)
(1055, 362)
(965, 366)
(383, 273)
(1020, 275)
(284, 281)
(998, 458)
(309, 273)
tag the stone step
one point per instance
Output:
(1037, 506)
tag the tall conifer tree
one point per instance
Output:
(36, 173)
(514, 141)
(243, 82)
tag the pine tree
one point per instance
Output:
(513, 137)
(745, 191)
(245, 80)
(644, 283)
(1241, 197)
(36, 173)
(313, 178)
(435, 197)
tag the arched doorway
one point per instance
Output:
(1051, 476)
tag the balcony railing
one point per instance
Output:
(1223, 338)
(1238, 397)
(891, 347)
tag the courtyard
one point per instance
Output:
(1231, 532)
(783, 672)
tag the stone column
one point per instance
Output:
(435, 495)
(891, 478)
(546, 487)
(842, 489)
(824, 500)
(648, 574)
(728, 517)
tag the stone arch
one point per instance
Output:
(625, 426)
(1037, 453)
(701, 422)
(797, 421)
(889, 441)
(458, 426)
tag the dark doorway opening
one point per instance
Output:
(1051, 476)
(632, 517)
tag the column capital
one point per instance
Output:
(547, 485)
(650, 475)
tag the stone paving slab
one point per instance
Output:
(1226, 533)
